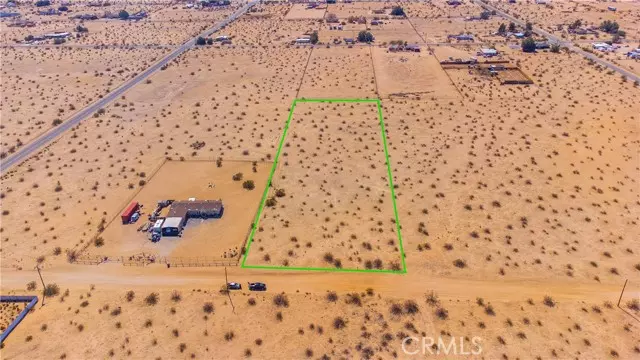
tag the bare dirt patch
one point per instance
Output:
(213, 238)
(422, 75)
(329, 204)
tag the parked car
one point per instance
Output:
(234, 286)
(257, 286)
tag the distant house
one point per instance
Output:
(454, 2)
(519, 35)
(181, 211)
(461, 37)
(22, 23)
(303, 41)
(602, 47)
(512, 1)
(335, 27)
(488, 52)
(414, 48)
(85, 17)
(349, 41)
(542, 45)
(57, 35)
(137, 16)
(49, 12)
(541, 2)
(4, 14)
(611, 8)
(395, 48)
(378, 11)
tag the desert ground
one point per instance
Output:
(517, 205)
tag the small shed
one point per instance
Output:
(488, 52)
(157, 226)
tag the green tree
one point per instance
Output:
(365, 36)
(555, 48)
(502, 29)
(576, 24)
(397, 11)
(123, 15)
(485, 15)
(512, 27)
(528, 45)
(609, 26)
(529, 26)
(201, 41)
(314, 37)
(615, 39)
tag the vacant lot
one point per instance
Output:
(422, 75)
(45, 86)
(329, 204)
(339, 71)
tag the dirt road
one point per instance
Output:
(411, 285)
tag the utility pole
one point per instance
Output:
(226, 284)
(43, 285)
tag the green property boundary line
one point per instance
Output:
(273, 169)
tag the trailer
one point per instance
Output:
(129, 211)
(157, 227)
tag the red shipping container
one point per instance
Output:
(129, 211)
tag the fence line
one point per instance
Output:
(147, 259)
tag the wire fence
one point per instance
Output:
(147, 259)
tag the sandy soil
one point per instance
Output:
(300, 11)
(422, 75)
(211, 239)
(505, 193)
(315, 213)
(100, 321)
(350, 71)
(43, 85)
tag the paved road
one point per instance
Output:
(91, 46)
(628, 74)
(32, 147)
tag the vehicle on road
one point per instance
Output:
(234, 286)
(257, 286)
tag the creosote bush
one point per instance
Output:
(152, 299)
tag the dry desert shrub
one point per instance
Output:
(152, 299)
(281, 300)
(176, 296)
(51, 290)
(208, 307)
